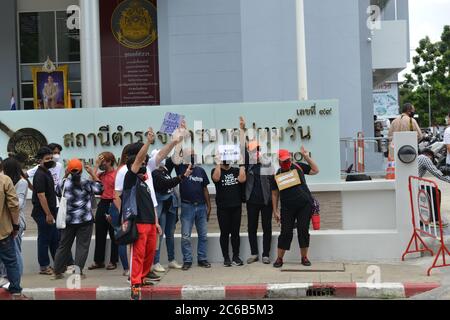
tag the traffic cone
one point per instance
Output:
(390, 170)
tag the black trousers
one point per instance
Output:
(299, 217)
(102, 228)
(253, 211)
(230, 224)
(83, 234)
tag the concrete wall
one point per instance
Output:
(269, 50)
(8, 54)
(339, 59)
(204, 51)
(42, 5)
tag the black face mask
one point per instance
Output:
(102, 167)
(49, 164)
(412, 114)
(142, 170)
(76, 177)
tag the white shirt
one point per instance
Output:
(120, 178)
(447, 142)
(56, 173)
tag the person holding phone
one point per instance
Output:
(290, 189)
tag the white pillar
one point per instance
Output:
(91, 76)
(402, 173)
(301, 52)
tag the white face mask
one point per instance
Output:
(56, 157)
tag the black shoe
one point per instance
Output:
(306, 262)
(153, 276)
(278, 263)
(227, 262)
(204, 264)
(186, 266)
(237, 261)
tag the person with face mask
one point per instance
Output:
(79, 221)
(57, 170)
(45, 209)
(105, 163)
(290, 189)
(167, 209)
(195, 209)
(259, 201)
(228, 181)
(404, 122)
(143, 249)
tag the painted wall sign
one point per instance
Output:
(85, 133)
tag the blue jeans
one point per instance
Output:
(191, 214)
(115, 216)
(9, 258)
(48, 240)
(167, 220)
(18, 247)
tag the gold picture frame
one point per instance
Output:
(47, 91)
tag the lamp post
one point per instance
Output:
(429, 104)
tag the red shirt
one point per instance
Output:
(107, 179)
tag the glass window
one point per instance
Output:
(75, 87)
(74, 71)
(68, 40)
(25, 73)
(37, 37)
(28, 105)
(27, 91)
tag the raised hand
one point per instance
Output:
(241, 123)
(150, 136)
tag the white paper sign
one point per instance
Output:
(230, 153)
(172, 121)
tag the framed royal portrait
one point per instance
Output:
(50, 87)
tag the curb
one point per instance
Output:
(238, 292)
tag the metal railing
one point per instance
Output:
(367, 155)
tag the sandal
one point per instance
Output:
(111, 266)
(96, 266)
(47, 272)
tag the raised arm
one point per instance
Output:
(310, 161)
(140, 158)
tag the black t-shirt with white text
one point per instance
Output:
(228, 188)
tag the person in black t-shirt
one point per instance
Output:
(44, 209)
(228, 181)
(296, 203)
(143, 250)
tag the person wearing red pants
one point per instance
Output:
(143, 250)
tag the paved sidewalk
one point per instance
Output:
(247, 282)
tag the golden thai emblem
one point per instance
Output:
(134, 23)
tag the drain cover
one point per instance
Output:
(320, 292)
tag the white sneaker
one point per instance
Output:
(4, 283)
(158, 268)
(174, 265)
(70, 270)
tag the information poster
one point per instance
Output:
(129, 50)
(385, 101)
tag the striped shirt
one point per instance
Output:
(426, 165)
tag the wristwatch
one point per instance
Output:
(16, 227)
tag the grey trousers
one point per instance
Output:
(83, 234)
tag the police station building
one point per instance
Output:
(174, 52)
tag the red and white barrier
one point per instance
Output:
(425, 198)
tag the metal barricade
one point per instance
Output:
(425, 199)
(356, 153)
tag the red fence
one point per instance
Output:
(425, 198)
